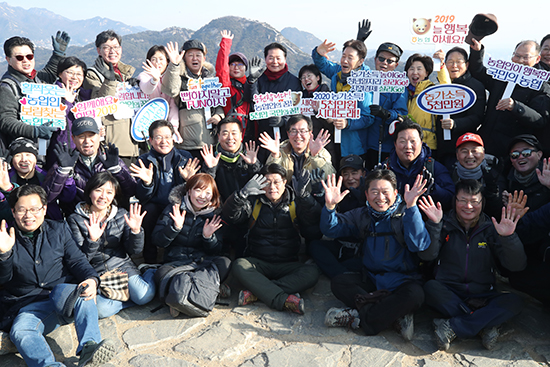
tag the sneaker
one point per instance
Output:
(246, 298)
(225, 291)
(405, 326)
(348, 317)
(489, 337)
(294, 304)
(94, 354)
(444, 334)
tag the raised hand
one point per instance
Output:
(152, 70)
(211, 226)
(135, 219)
(173, 54)
(363, 31)
(256, 69)
(475, 45)
(315, 145)
(270, 144)
(518, 201)
(254, 186)
(66, 157)
(412, 194)
(439, 54)
(508, 221)
(208, 157)
(145, 174)
(544, 175)
(110, 156)
(324, 48)
(251, 152)
(7, 239)
(178, 217)
(226, 34)
(5, 183)
(191, 167)
(332, 191)
(300, 182)
(60, 42)
(430, 180)
(95, 229)
(70, 93)
(434, 212)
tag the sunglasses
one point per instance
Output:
(389, 61)
(22, 57)
(526, 153)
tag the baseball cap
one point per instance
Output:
(392, 48)
(190, 44)
(527, 138)
(84, 124)
(469, 137)
(352, 161)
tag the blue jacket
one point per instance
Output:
(443, 189)
(389, 260)
(354, 136)
(396, 104)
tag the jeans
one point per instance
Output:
(142, 290)
(40, 318)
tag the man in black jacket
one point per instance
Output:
(37, 260)
(272, 272)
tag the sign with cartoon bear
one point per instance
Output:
(438, 30)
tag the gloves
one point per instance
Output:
(256, 69)
(427, 175)
(60, 43)
(301, 183)
(381, 165)
(134, 82)
(254, 186)
(44, 131)
(317, 176)
(106, 69)
(65, 156)
(110, 158)
(363, 31)
(379, 111)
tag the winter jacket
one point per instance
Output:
(187, 243)
(443, 189)
(30, 270)
(531, 112)
(232, 173)
(192, 127)
(532, 229)
(116, 131)
(354, 136)
(161, 183)
(425, 119)
(391, 257)
(11, 126)
(115, 246)
(466, 262)
(467, 121)
(273, 236)
(395, 104)
(287, 160)
(58, 184)
(155, 91)
(537, 193)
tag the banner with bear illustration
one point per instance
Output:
(440, 29)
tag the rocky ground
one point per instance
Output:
(255, 335)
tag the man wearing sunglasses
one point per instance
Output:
(19, 53)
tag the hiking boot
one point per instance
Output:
(225, 291)
(173, 312)
(405, 326)
(444, 334)
(246, 298)
(348, 317)
(144, 267)
(93, 354)
(294, 304)
(489, 337)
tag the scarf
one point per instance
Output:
(32, 75)
(466, 174)
(380, 215)
(271, 76)
(196, 213)
(524, 180)
(228, 156)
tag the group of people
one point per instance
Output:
(395, 215)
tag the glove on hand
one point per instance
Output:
(254, 186)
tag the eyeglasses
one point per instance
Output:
(72, 74)
(388, 61)
(22, 57)
(236, 65)
(23, 211)
(455, 62)
(109, 48)
(523, 57)
(307, 76)
(473, 202)
(294, 132)
(160, 138)
(526, 153)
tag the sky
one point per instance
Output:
(391, 20)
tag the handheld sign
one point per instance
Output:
(513, 73)
(341, 105)
(130, 100)
(155, 109)
(378, 82)
(276, 104)
(446, 99)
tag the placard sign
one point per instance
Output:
(513, 73)
(97, 107)
(446, 99)
(341, 105)
(275, 104)
(438, 30)
(42, 104)
(155, 109)
(309, 106)
(378, 82)
(204, 93)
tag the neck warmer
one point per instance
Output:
(32, 75)
(465, 174)
(271, 76)
(524, 180)
(196, 213)
(380, 215)
(228, 156)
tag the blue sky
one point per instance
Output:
(391, 20)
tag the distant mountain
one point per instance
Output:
(39, 24)
(305, 40)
